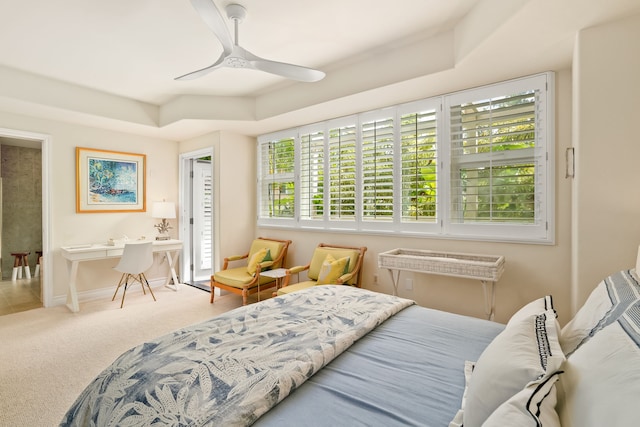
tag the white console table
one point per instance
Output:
(486, 268)
(91, 252)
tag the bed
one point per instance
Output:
(337, 355)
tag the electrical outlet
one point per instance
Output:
(408, 284)
(375, 280)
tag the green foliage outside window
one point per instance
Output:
(342, 173)
(498, 191)
(419, 167)
(282, 200)
(281, 167)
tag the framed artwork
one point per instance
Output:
(109, 181)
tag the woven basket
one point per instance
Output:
(470, 266)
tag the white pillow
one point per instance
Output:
(601, 381)
(606, 303)
(534, 307)
(534, 406)
(527, 350)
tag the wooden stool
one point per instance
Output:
(36, 273)
(20, 261)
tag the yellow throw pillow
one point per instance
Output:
(256, 259)
(332, 269)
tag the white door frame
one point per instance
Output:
(185, 201)
(45, 145)
(202, 173)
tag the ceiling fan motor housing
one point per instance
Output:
(236, 12)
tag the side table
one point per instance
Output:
(276, 273)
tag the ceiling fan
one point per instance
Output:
(233, 55)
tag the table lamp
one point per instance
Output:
(163, 210)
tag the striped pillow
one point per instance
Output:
(612, 297)
(601, 381)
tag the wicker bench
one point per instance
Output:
(486, 268)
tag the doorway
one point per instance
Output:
(24, 219)
(197, 219)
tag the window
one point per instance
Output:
(277, 183)
(498, 164)
(476, 164)
(377, 141)
(311, 175)
(419, 165)
(342, 173)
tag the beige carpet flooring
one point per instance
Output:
(49, 355)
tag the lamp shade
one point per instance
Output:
(163, 210)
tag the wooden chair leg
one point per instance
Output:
(244, 296)
(134, 278)
(213, 288)
(126, 285)
(118, 287)
(143, 277)
(139, 279)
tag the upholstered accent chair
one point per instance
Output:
(264, 253)
(330, 264)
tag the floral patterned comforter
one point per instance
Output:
(233, 368)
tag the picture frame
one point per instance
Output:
(110, 181)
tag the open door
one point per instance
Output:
(202, 248)
(196, 218)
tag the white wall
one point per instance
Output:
(606, 229)
(69, 227)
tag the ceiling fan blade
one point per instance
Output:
(199, 73)
(214, 20)
(290, 71)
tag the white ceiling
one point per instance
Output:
(112, 63)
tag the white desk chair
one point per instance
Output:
(136, 259)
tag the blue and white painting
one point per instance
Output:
(112, 182)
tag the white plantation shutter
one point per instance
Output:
(377, 136)
(419, 163)
(276, 172)
(476, 164)
(498, 158)
(342, 172)
(311, 187)
(206, 237)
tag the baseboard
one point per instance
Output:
(102, 293)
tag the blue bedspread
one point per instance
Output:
(409, 371)
(233, 368)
